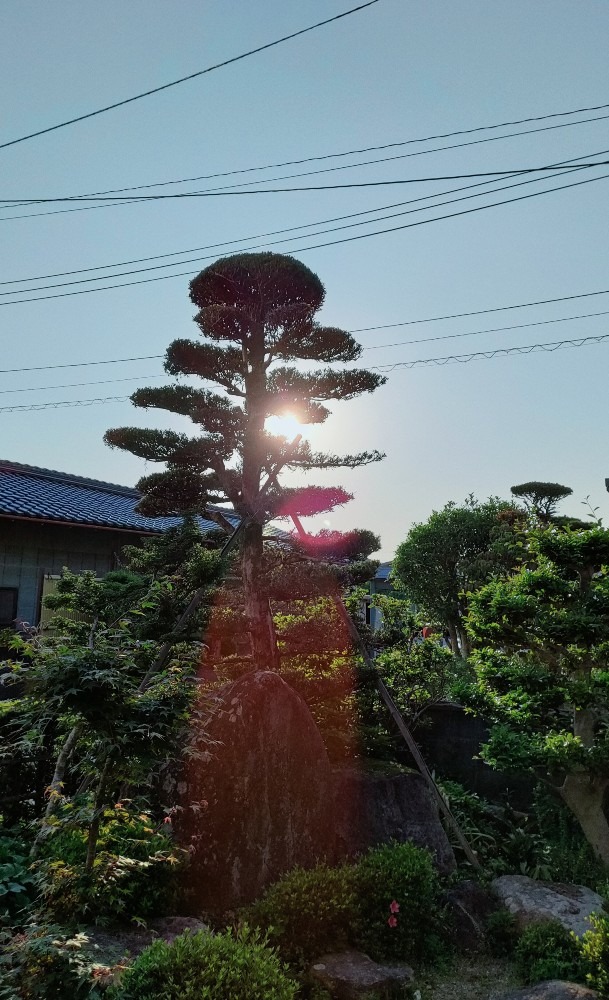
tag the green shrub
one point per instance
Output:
(400, 914)
(548, 951)
(207, 967)
(501, 933)
(595, 951)
(17, 881)
(308, 913)
(134, 873)
(44, 962)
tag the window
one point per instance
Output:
(8, 605)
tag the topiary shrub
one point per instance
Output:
(203, 966)
(309, 912)
(399, 902)
(595, 952)
(547, 950)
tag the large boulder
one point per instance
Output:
(373, 808)
(262, 803)
(531, 901)
(554, 990)
(350, 975)
(266, 800)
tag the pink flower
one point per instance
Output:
(394, 907)
(167, 819)
(393, 922)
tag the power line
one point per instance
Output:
(61, 403)
(191, 76)
(289, 229)
(438, 362)
(495, 329)
(72, 385)
(290, 239)
(115, 192)
(410, 322)
(224, 193)
(317, 246)
(496, 352)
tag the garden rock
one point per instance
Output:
(260, 806)
(352, 975)
(373, 808)
(531, 901)
(554, 990)
(470, 906)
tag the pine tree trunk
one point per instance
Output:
(464, 647)
(256, 605)
(454, 640)
(584, 796)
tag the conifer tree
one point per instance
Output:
(255, 312)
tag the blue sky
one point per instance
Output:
(396, 71)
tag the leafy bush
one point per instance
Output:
(595, 951)
(133, 875)
(501, 933)
(17, 881)
(308, 913)
(400, 914)
(44, 962)
(548, 951)
(214, 967)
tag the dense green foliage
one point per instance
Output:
(309, 913)
(595, 952)
(545, 951)
(386, 904)
(454, 551)
(203, 966)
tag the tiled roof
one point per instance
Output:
(43, 494)
(383, 571)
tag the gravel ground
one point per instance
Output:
(476, 978)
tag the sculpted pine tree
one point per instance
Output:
(256, 312)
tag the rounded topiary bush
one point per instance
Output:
(205, 966)
(399, 901)
(546, 950)
(308, 912)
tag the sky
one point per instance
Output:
(394, 72)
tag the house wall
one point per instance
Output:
(29, 550)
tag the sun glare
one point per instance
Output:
(286, 426)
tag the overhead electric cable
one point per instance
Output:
(496, 352)
(308, 173)
(60, 403)
(495, 329)
(73, 385)
(190, 76)
(438, 362)
(317, 246)
(222, 193)
(290, 239)
(289, 229)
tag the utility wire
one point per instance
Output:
(497, 352)
(307, 173)
(439, 362)
(317, 246)
(290, 239)
(191, 76)
(224, 193)
(410, 322)
(495, 329)
(72, 385)
(290, 229)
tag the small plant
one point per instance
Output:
(44, 962)
(548, 951)
(214, 967)
(595, 952)
(398, 895)
(308, 913)
(501, 933)
(17, 881)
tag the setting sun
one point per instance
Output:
(285, 425)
